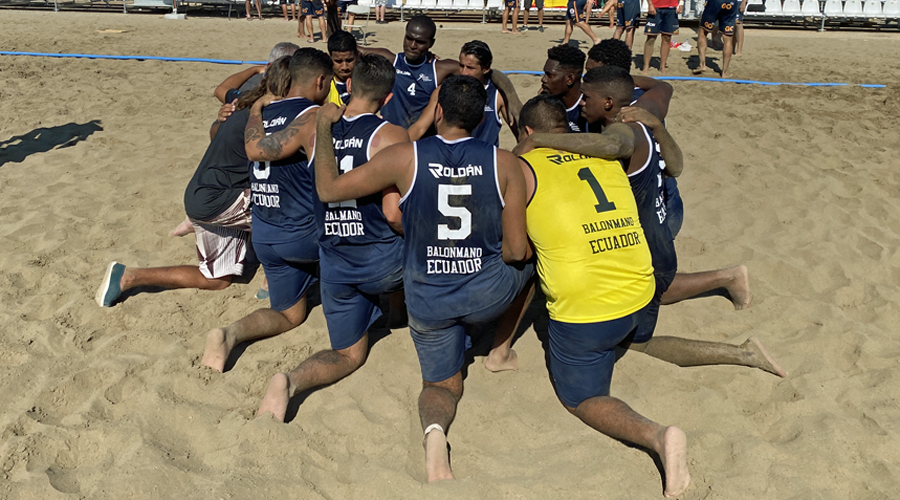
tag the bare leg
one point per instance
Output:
(726, 55)
(589, 32)
(310, 36)
(568, 32)
(527, 10)
(502, 356)
(437, 405)
(612, 18)
(618, 33)
(616, 419)
(686, 352)
(183, 229)
(738, 40)
(504, 19)
(259, 324)
(648, 53)
(322, 368)
(171, 277)
(301, 26)
(247, 9)
(736, 280)
(322, 29)
(701, 49)
(629, 37)
(515, 19)
(284, 12)
(664, 47)
(259, 10)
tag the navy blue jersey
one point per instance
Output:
(341, 88)
(413, 86)
(576, 122)
(636, 94)
(283, 190)
(451, 219)
(489, 129)
(356, 243)
(649, 193)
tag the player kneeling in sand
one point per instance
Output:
(598, 283)
(361, 255)
(284, 229)
(463, 206)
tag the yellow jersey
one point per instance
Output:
(592, 258)
(334, 95)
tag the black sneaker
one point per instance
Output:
(541, 28)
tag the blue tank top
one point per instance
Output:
(576, 122)
(413, 86)
(356, 243)
(489, 129)
(451, 217)
(283, 190)
(649, 193)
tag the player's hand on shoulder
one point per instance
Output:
(329, 113)
(227, 110)
(631, 114)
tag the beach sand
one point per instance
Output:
(797, 183)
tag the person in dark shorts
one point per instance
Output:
(511, 6)
(628, 18)
(361, 255)
(284, 231)
(310, 9)
(463, 206)
(662, 18)
(720, 14)
(284, 9)
(577, 14)
(526, 7)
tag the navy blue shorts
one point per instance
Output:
(575, 10)
(665, 21)
(628, 14)
(312, 8)
(646, 324)
(722, 11)
(351, 309)
(582, 356)
(441, 344)
(512, 4)
(674, 206)
(290, 269)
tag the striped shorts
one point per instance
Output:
(222, 242)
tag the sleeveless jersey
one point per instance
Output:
(489, 129)
(649, 193)
(593, 259)
(413, 86)
(338, 93)
(283, 190)
(356, 243)
(451, 217)
(574, 114)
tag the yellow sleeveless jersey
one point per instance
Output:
(592, 258)
(334, 96)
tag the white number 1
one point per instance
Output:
(464, 216)
(345, 166)
(412, 88)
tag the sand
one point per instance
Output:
(797, 183)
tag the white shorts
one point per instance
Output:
(223, 241)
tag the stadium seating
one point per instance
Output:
(791, 8)
(773, 8)
(853, 8)
(872, 9)
(834, 8)
(810, 8)
(892, 9)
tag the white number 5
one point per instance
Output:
(464, 216)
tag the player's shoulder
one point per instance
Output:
(392, 134)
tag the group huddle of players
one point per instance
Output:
(379, 174)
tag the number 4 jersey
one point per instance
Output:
(593, 259)
(452, 213)
(356, 243)
(413, 86)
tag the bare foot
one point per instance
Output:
(760, 357)
(673, 454)
(182, 229)
(726, 75)
(516, 32)
(739, 287)
(645, 71)
(277, 396)
(437, 458)
(700, 70)
(664, 70)
(498, 362)
(504, 30)
(738, 54)
(217, 350)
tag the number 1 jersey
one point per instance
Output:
(452, 222)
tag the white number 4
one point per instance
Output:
(464, 216)
(412, 88)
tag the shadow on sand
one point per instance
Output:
(41, 140)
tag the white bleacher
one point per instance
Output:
(773, 8)
(443, 4)
(644, 7)
(853, 8)
(834, 8)
(791, 8)
(477, 5)
(810, 8)
(872, 9)
(891, 9)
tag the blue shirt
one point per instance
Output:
(413, 86)
(489, 129)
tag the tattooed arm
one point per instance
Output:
(281, 144)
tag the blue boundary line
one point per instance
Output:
(233, 61)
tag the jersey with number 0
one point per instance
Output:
(283, 190)
(593, 259)
(356, 243)
(413, 86)
(489, 129)
(452, 224)
(649, 193)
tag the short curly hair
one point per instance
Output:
(568, 56)
(611, 52)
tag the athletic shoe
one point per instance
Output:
(109, 290)
(541, 28)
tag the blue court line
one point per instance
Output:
(232, 61)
